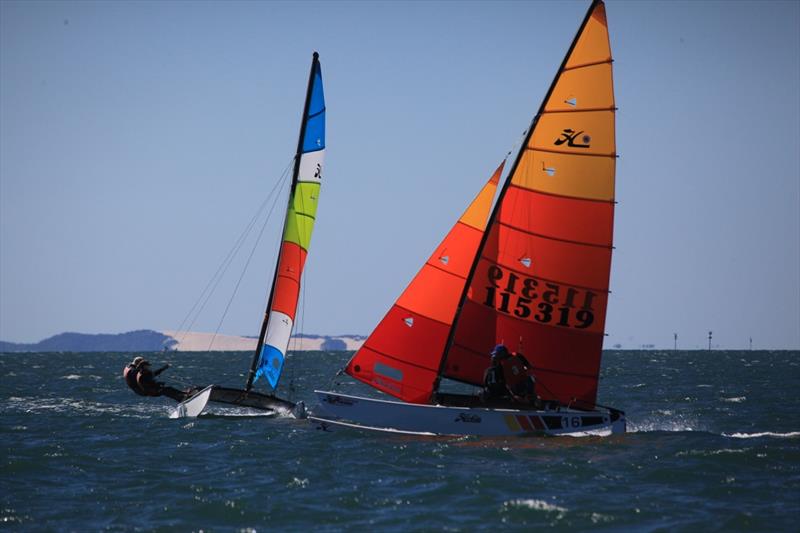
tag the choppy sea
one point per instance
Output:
(713, 445)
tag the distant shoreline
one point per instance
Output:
(172, 341)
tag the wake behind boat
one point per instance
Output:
(276, 328)
(534, 275)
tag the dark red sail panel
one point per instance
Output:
(540, 283)
(403, 354)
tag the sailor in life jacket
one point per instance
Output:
(141, 379)
(131, 372)
(494, 380)
(521, 384)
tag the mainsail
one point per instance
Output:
(403, 354)
(536, 277)
(539, 282)
(298, 225)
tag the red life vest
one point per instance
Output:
(131, 375)
(515, 372)
(146, 383)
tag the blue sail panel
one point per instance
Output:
(314, 138)
(270, 365)
(317, 102)
(315, 134)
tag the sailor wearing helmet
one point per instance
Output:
(494, 380)
(131, 373)
(141, 380)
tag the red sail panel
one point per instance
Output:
(287, 282)
(402, 355)
(540, 283)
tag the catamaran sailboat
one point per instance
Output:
(533, 273)
(279, 318)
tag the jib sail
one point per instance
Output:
(402, 356)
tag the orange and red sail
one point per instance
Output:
(540, 282)
(537, 278)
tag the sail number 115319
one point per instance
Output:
(543, 301)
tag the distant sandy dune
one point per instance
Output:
(202, 342)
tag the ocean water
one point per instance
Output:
(713, 444)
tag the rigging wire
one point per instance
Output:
(212, 284)
(219, 274)
(247, 264)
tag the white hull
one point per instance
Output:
(399, 417)
(193, 406)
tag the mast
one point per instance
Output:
(295, 173)
(501, 196)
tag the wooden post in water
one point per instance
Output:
(675, 342)
(751, 343)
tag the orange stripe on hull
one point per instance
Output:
(537, 422)
(524, 422)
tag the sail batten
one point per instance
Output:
(612, 155)
(593, 63)
(298, 226)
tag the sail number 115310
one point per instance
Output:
(543, 301)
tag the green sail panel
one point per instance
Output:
(302, 214)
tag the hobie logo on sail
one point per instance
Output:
(569, 136)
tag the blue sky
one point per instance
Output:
(138, 138)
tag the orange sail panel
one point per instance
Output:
(402, 355)
(540, 281)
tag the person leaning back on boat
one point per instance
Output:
(141, 380)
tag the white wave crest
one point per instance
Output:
(239, 412)
(707, 453)
(297, 482)
(736, 399)
(664, 422)
(85, 376)
(789, 435)
(536, 505)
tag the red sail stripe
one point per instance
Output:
(287, 281)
